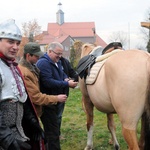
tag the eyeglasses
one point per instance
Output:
(58, 54)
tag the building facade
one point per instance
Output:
(67, 32)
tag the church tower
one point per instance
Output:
(60, 15)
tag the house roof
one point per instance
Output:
(74, 29)
(49, 38)
(100, 42)
(57, 32)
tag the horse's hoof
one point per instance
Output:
(110, 142)
(88, 148)
(117, 147)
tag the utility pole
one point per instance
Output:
(31, 37)
(148, 45)
(128, 35)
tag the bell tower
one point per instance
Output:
(60, 15)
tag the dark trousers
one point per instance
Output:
(60, 111)
(49, 119)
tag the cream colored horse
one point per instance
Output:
(122, 87)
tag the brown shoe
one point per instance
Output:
(62, 137)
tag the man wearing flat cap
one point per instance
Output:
(30, 72)
(33, 48)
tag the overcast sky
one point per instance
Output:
(109, 15)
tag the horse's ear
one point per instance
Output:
(84, 46)
(95, 44)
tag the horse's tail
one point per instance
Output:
(146, 115)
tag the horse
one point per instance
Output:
(122, 87)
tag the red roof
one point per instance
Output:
(59, 32)
(100, 42)
(74, 29)
(48, 39)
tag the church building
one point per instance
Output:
(67, 32)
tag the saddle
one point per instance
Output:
(86, 63)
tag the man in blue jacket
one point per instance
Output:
(53, 81)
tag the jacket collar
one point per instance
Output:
(29, 66)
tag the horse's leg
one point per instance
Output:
(88, 107)
(142, 135)
(130, 137)
(112, 129)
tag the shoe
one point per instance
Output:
(62, 137)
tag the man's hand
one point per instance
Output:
(72, 84)
(18, 145)
(37, 131)
(62, 97)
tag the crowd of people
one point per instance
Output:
(33, 90)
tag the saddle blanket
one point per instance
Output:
(90, 79)
(99, 62)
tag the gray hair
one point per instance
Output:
(53, 45)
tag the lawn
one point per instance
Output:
(74, 127)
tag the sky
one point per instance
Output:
(110, 16)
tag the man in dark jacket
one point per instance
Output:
(72, 74)
(69, 71)
(19, 125)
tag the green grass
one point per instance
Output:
(74, 127)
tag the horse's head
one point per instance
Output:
(86, 49)
(112, 46)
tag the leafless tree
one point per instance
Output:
(31, 31)
(31, 27)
